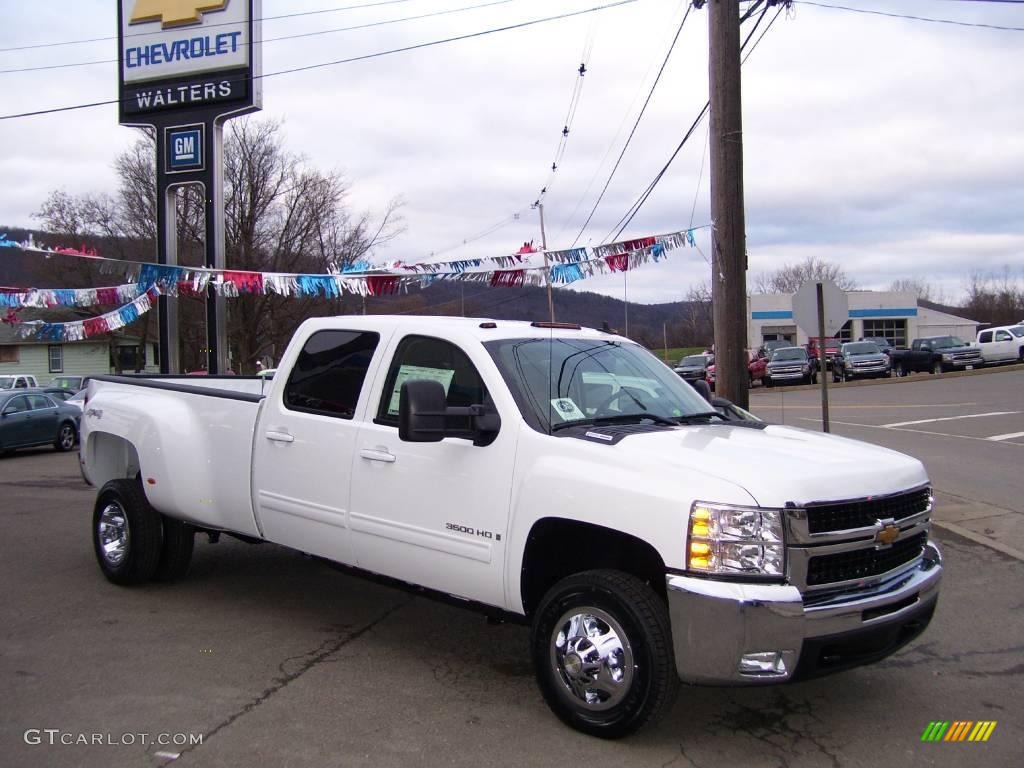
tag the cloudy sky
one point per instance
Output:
(891, 146)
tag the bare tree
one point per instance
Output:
(789, 277)
(280, 216)
(996, 299)
(697, 323)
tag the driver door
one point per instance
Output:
(433, 514)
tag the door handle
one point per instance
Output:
(378, 455)
(280, 437)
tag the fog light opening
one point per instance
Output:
(764, 664)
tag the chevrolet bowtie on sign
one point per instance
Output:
(173, 13)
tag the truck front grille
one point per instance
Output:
(863, 563)
(844, 515)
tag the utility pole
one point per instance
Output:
(547, 269)
(728, 233)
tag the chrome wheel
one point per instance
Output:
(592, 657)
(112, 530)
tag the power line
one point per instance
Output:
(283, 37)
(639, 117)
(640, 201)
(208, 26)
(928, 19)
(364, 57)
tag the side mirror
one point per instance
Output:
(423, 411)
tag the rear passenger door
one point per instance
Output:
(304, 443)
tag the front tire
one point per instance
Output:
(602, 651)
(127, 533)
(65, 437)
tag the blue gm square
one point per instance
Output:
(185, 149)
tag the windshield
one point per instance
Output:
(1018, 331)
(566, 381)
(942, 342)
(692, 360)
(790, 353)
(861, 348)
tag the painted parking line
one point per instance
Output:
(1009, 436)
(904, 429)
(949, 418)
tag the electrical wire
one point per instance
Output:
(639, 117)
(308, 67)
(640, 201)
(208, 26)
(283, 37)
(928, 19)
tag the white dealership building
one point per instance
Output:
(897, 317)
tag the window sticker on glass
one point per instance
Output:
(412, 373)
(567, 409)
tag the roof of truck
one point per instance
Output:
(482, 328)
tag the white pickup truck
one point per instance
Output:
(554, 475)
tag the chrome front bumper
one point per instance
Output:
(716, 624)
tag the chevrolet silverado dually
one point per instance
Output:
(546, 473)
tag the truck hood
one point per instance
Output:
(777, 464)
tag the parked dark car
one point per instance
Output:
(936, 354)
(694, 367)
(32, 417)
(790, 365)
(860, 360)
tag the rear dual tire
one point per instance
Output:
(133, 542)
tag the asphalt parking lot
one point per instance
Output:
(276, 659)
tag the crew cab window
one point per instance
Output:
(985, 337)
(422, 357)
(328, 375)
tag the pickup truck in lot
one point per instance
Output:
(936, 354)
(543, 473)
(1002, 345)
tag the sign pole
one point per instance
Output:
(822, 359)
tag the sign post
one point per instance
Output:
(821, 307)
(185, 68)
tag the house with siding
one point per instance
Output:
(88, 357)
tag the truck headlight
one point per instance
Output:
(947, 358)
(725, 539)
(806, 369)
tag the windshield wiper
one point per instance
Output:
(622, 418)
(697, 418)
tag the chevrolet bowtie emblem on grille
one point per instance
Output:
(887, 535)
(174, 13)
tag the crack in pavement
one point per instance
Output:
(769, 724)
(315, 657)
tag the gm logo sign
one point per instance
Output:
(184, 148)
(174, 13)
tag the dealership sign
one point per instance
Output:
(186, 55)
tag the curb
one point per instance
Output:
(977, 538)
